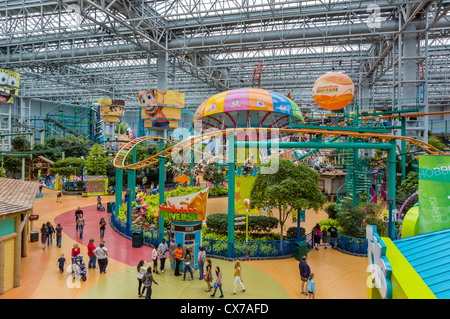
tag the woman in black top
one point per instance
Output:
(102, 228)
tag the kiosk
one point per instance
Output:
(186, 214)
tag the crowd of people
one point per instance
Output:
(145, 270)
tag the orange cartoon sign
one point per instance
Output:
(189, 208)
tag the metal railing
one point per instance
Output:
(251, 249)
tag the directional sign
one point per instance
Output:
(240, 223)
(254, 215)
(239, 218)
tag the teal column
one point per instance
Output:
(231, 195)
(217, 166)
(132, 187)
(191, 166)
(392, 166)
(162, 184)
(355, 178)
(119, 183)
(403, 148)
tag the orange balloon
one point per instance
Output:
(333, 91)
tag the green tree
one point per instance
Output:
(433, 141)
(292, 187)
(68, 166)
(213, 174)
(97, 161)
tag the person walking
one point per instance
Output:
(238, 277)
(187, 265)
(178, 256)
(324, 237)
(92, 258)
(148, 281)
(333, 236)
(163, 249)
(78, 214)
(50, 232)
(58, 196)
(316, 236)
(201, 262)
(43, 236)
(208, 275)
(58, 235)
(102, 257)
(155, 254)
(61, 261)
(311, 287)
(305, 271)
(80, 224)
(141, 269)
(102, 224)
(218, 283)
(75, 251)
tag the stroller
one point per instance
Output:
(99, 204)
(79, 268)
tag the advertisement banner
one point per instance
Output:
(157, 124)
(111, 119)
(9, 85)
(161, 98)
(188, 208)
(110, 110)
(434, 193)
(160, 112)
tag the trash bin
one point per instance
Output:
(300, 250)
(34, 235)
(109, 207)
(137, 238)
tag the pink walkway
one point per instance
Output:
(119, 247)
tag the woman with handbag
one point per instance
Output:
(218, 283)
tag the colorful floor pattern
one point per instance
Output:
(337, 275)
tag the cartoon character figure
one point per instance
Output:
(9, 85)
(148, 100)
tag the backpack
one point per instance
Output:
(203, 257)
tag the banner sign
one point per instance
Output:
(188, 208)
(434, 193)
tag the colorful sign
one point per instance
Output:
(161, 108)
(188, 208)
(434, 192)
(9, 85)
(379, 269)
(111, 119)
(333, 91)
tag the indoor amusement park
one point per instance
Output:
(246, 151)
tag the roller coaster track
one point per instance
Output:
(119, 160)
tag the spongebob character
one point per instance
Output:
(9, 85)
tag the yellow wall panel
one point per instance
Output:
(9, 264)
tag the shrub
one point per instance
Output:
(263, 224)
(218, 191)
(292, 232)
(332, 210)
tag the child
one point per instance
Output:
(58, 196)
(311, 287)
(61, 261)
(155, 254)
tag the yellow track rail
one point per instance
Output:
(119, 160)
